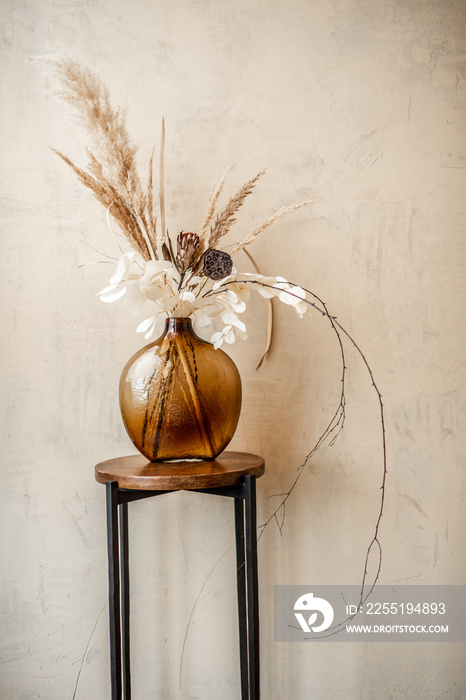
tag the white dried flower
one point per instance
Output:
(207, 302)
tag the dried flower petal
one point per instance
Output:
(187, 244)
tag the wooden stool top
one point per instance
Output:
(136, 472)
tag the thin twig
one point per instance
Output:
(83, 658)
(334, 427)
(268, 343)
(162, 180)
(194, 608)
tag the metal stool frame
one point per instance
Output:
(244, 495)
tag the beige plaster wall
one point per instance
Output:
(357, 104)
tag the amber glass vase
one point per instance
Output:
(179, 397)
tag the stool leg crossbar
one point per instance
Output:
(244, 495)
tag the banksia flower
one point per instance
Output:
(217, 264)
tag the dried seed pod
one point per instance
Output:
(187, 244)
(217, 264)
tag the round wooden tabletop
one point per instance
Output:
(136, 472)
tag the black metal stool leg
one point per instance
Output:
(119, 584)
(241, 589)
(252, 587)
(124, 573)
(114, 588)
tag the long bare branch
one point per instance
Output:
(332, 431)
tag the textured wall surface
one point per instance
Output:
(357, 104)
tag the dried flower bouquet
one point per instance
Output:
(195, 277)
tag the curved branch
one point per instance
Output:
(334, 428)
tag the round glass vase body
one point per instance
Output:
(180, 398)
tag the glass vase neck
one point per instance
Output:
(178, 325)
